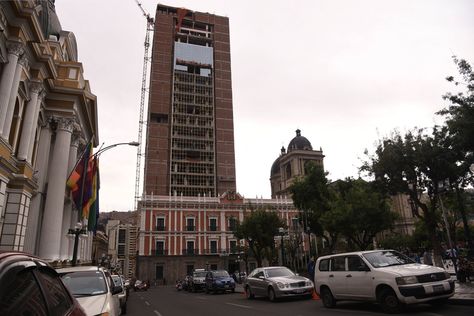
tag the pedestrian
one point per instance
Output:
(311, 265)
(427, 257)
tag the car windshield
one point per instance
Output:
(279, 272)
(381, 259)
(85, 283)
(221, 273)
(201, 274)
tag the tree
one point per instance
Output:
(415, 163)
(311, 195)
(259, 229)
(460, 122)
(360, 210)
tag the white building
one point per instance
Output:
(47, 115)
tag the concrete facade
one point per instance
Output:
(47, 114)
(190, 133)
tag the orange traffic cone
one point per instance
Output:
(315, 296)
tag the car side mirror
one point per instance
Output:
(297, 274)
(363, 268)
(261, 277)
(117, 289)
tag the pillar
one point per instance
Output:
(41, 169)
(51, 233)
(68, 243)
(28, 122)
(15, 49)
(34, 127)
(22, 63)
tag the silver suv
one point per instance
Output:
(384, 276)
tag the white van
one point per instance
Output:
(384, 276)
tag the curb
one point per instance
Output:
(461, 301)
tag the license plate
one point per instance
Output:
(438, 288)
(299, 291)
(226, 286)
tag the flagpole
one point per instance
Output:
(83, 180)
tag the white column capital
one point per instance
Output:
(35, 87)
(65, 123)
(15, 48)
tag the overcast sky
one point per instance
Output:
(345, 72)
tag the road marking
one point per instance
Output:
(147, 304)
(238, 305)
(201, 298)
(157, 313)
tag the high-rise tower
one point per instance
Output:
(190, 134)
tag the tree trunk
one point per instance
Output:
(431, 226)
(467, 231)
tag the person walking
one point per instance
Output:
(427, 259)
(311, 265)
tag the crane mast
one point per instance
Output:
(141, 123)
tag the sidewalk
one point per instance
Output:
(463, 294)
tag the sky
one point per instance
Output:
(346, 73)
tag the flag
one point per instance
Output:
(89, 194)
(94, 201)
(75, 181)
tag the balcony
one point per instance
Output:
(190, 252)
(190, 228)
(160, 252)
(212, 251)
(212, 228)
(160, 228)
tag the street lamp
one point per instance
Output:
(79, 230)
(281, 230)
(76, 232)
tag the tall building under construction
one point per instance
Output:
(190, 134)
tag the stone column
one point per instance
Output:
(35, 126)
(22, 63)
(41, 169)
(51, 233)
(28, 122)
(67, 243)
(15, 49)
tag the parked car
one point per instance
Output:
(140, 286)
(219, 281)
(94, 289)
(198, 280)
(30, 286)
(118, 281)
(384, 276)
(276, 282)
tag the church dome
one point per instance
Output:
(275, 167)
(299, 143)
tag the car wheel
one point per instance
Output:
(248, 293)
(389, 301)
(206, 290)
(327, 298)
(271, 294)
(233, 290)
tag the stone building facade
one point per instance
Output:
(47, 114)
(291, 164)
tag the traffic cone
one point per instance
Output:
(315, 296)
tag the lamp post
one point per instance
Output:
(79, 229)
(76, 232)
(281, 230)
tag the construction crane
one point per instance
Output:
(150, 23)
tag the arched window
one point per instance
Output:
(288, 171)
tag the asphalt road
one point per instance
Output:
(166, 301)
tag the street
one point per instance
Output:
(166, 301)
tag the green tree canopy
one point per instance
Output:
(259, 230)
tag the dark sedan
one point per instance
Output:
(219, 281)
(30, 286)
